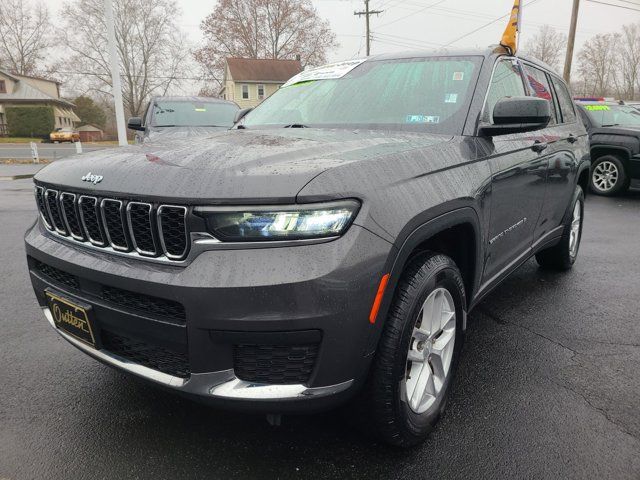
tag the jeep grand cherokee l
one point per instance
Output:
(326, 249)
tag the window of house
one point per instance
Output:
(506, 82)
(245, 92)
(565, 101)
(3, 86)
(540, 87)
(260, 92)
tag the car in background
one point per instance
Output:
(180, 117)
(64, 134)
(614, 135)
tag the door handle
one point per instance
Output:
(538, 146)
(572, 138)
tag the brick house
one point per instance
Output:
(248, 81)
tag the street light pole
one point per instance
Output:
(116, 86)
(571, 41)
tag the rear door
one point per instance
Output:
(570, 144)
(554, 144)
(518, 177)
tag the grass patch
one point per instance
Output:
(19, 140)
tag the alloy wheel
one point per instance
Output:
(605, 176)
(430, 351)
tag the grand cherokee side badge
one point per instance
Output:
(95, 179)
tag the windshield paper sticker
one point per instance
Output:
(422, 119)
(597, 107)
(326, 72)
(450, 97)
(457, 76)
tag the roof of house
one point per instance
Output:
(263, 69)
(89, 128)
(24, 92)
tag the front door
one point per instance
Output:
(519, 175)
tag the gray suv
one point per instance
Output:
(326, 249)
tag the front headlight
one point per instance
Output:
(273, 223)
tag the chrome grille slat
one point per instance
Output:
(42, 207)
(114, 224)
(172, 225)
(134, 228)
(70, 215)
(88, 208)
(53, 207)
(140, 221)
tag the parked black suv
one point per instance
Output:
(330, 246)
(614, 133)
(175, 118)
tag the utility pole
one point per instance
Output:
(571, 41)
(116, 87)
(367, 13)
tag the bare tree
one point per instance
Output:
(547, 45)
(280, 29)
(627, 75)
(151, 47)
(597, 63)
(25, 35)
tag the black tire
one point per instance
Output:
(561, 256)
(386, 410)
(601, 186)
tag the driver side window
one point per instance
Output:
(506, 82)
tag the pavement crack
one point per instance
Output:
(502, 321)
(601, 411)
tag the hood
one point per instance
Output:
(176, 133)
(233, 166)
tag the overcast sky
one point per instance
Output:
(407, 24)
(415, 24)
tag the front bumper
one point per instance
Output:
(232, 298)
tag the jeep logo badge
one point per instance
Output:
(90, 177)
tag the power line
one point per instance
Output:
(487, 24)
(618, 6)
(412, 13)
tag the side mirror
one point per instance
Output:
(516, 115)
(240, 114)
(135, 123)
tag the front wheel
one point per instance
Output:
(608, 176)
(563, 255)
(418, 352)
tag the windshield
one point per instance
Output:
(192, 114)
(607, 115)
(418, 94)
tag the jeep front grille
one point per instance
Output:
(147, 229)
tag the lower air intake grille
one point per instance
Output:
(159, 307)
(147, 355)
(274, 364)
(58, 276)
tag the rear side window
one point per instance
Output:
(540, 88)
(564, 99)
(506, 82)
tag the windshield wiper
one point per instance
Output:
(296, 125)
(611, 125)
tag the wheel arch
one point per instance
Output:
(599, 150)
(456, 234)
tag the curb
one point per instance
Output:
(17, 177)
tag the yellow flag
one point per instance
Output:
(509, 37)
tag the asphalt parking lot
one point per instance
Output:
(548, 387)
